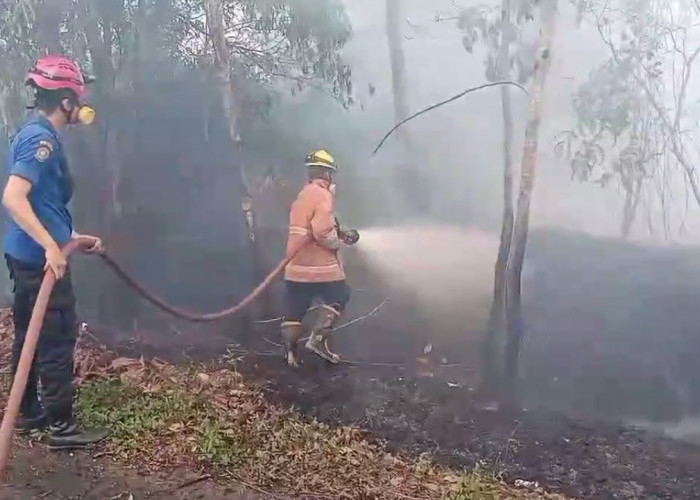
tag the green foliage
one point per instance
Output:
(485, 24)
(605, 100)
(294, 42)
(153, 63)
(632, 110)
(476, 486)
(16, 52)
(612, 117)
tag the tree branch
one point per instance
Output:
(442, 103)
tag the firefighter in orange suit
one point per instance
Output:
(316, 271)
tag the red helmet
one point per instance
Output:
(55, 72)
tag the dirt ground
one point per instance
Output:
(35, 473)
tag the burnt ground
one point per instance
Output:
(423, 407)
(35, 473)
(593, 460)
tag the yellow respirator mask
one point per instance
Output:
(86, 115)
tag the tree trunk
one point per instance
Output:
(113, 144)
(398, 60)
(629, 213)
(49, 18)
(409, 180)
(214, 11)
(490, 361)
(520, 231)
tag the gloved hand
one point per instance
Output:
(350, 237)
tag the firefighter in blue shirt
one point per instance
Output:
(38, 190)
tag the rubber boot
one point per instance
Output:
(318, 340)
(66, 435)
(292, 331)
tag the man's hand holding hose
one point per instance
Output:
(90, 244)
(349, 237)
(56, 261)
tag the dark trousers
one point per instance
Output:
(53, 362)
(300, 296)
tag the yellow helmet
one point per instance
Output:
(321, 158)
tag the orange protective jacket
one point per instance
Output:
(312, 217)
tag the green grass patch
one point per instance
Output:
(166, 416)
(137, 418)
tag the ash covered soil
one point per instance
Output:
(423, 407)
(595, 460)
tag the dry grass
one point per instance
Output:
(166, 415)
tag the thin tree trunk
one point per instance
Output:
(125, 193)
(214, 11)
(490, 363)
(628, 216)
(104, 136)
(409, 180)
(629, 213)
(520, 231)
(398, 60)
(49, 17)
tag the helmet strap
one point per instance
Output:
(327, 177)
(31, 97)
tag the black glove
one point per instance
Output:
(350, 237)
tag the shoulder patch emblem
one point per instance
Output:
(42, 153)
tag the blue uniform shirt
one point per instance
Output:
(36, 154)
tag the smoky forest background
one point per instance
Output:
(206, 109)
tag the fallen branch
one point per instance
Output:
(369, 314)
(344, 325)
(279, 319)
(194, 481)
(271, 342)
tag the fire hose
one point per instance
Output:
(21, 376)
(19, 382)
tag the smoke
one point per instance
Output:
(447, 269)
(685, 429)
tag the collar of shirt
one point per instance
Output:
(41, 119)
